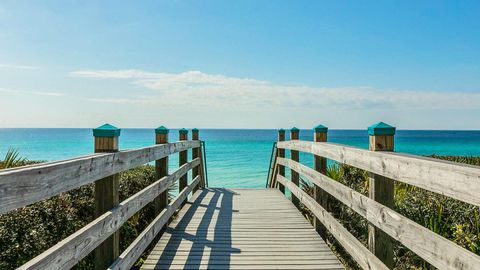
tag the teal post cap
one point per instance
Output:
(183, 131)
(381, 128)
(294, 129)
(320, 128)
(281, 130)
(195, 130)
(106, 130)
(161, 130)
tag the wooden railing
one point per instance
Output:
(458, 181)
(22, 186)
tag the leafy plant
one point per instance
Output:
(12, 159)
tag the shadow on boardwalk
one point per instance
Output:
(217, 219)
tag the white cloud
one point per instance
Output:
(23, 92)
(8, 66)
(195, 88)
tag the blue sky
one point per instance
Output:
(256, 64)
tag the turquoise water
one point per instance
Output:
(235, 158)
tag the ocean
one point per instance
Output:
(235, 158)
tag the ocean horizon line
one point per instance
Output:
(286, 128)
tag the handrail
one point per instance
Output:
(270, 164)
(363, 256)
(68, 252)
(435, 249)
(26, 185)
(135, 250)
(455, 180)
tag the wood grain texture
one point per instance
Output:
(25, 185)
(240, 229)
(435, 249)
(69, 251)
(161, 170)
(196, 153)
(106, 198)
(295, 155)
(455, 180)
(320, 196)
(381, 189)
(365, 258)
(135, 250)
(281, 169)
(182, 159)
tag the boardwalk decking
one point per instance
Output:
(240, 229)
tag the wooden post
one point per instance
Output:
(106, 195)
(294, 155)
(161, 169)
(196, 154)
(182, 159)
(381, 189)
(281, 153)
(320, 165)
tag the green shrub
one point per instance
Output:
(30, 230)
(450, 218)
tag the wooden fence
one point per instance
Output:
(22, 186)
(458, 181)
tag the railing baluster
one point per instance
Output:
(182, 159)
(195, 154)
(106, 194)
(294, 155)
(161, 168)
(320, 165)
(281, 153)
(381, 189)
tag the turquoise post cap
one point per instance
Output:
(381, 128)
(294, 129)
(320, 128)
(281, 130)
(106, 130)
(183, 131)
(195, 130)
(161, 130)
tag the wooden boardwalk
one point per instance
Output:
(240, 229)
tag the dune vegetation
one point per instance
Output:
(450, 218)
(28, 231)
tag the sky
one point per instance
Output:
(240, 64)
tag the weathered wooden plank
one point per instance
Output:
(196, 152)
(25, 185)
(229, 261)
(69, 251)
(435, 249)
(182, 159)
(458, 181)
(106, 198)
(133, 252)
(295, 155)
(243, 253)
(320, 165)
(252, 266)
(228, 227)
(281, 169)
(381, 189)
(161, 169)
(357, 250)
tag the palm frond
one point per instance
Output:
(335, 171)
(12, 159)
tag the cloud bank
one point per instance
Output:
(201, 89)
